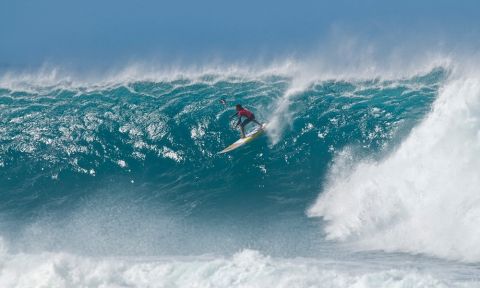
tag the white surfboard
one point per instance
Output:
(249, 137)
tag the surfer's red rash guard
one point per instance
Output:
(245, 113)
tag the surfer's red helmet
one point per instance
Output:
(238, 107)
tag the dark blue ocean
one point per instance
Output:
(361, 182)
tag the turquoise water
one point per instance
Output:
(131, 170)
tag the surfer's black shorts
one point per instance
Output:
(248, 120)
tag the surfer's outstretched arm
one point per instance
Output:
(238, 122)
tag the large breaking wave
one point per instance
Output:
(97, 177)
(424, 196)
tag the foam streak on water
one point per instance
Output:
(247, 268)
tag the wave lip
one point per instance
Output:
(424, 197)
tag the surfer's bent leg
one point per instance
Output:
(242, 126)
(255, 121)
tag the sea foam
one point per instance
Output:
(247, 268)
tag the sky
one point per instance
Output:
(103, 32)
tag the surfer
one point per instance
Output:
(250, 117)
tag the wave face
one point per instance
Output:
(130, 170)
